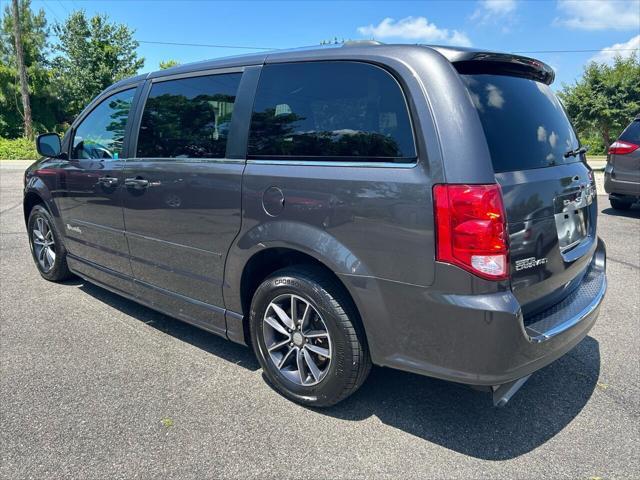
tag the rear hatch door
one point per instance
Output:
(548, 189)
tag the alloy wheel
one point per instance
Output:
(297, 339)
(44, 245)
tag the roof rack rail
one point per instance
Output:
(356, 43)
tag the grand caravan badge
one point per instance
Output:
(73, 228)
(529, 263)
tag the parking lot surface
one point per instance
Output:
(96, 386)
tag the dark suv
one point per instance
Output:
(622, 173)
(421, 208)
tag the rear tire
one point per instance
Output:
(323, 368)
(619, 204)
(47, 248)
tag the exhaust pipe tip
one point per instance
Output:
(503, 393)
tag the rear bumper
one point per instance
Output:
(617, 187)
(580, 306)
(480, 339)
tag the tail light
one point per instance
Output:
(471, 230)
(622, 148)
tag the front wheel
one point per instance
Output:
(308, 338)
(46, 245)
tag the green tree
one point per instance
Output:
(164, 64)
(605, 99)
(45, 107)
(93, 54)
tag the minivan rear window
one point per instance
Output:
(525, 124)
(330, 111)
(631, 134)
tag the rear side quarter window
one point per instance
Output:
(330, 111)
(631, 134)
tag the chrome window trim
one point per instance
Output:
(325, 163)
(183, 161)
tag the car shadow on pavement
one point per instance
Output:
(464, 420)
(448, 414)
(633, 212)
(209, 342)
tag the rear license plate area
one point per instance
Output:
(572, 217)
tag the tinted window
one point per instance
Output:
(330, 110)
(631, 133)
(101, 133)
(188, 118)
(525, 124)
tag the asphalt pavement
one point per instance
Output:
(96, 386)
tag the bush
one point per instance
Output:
(18, 149)
(594, 143)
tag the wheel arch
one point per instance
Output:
(37, 193)
(298, 240)
(261, 264)
(265, 262)
(31, 199)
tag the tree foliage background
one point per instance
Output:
(91, 55)
(603, 102)
(67, 65)
(35, 37)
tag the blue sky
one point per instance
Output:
(505, 25)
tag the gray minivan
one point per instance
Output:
(622, 173)
(422, 208)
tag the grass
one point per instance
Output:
(18, 149)
(167, 422)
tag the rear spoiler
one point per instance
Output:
(468, 62)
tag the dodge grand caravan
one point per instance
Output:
(422, 208)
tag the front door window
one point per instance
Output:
(101, 133)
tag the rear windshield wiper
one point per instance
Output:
(577, 151)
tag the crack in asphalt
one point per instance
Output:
(622, 262)
(10, 208)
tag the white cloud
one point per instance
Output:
(493, 11)
(499, 7)
(599, 14)
(495, 98)
(625, 49)
(542, 134)
(414, 28)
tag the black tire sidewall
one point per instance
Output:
(59, 270)
(331, 388)
(619, 204)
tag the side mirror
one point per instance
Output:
(48, 145)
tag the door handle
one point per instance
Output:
(137, 182)
(108, 181)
